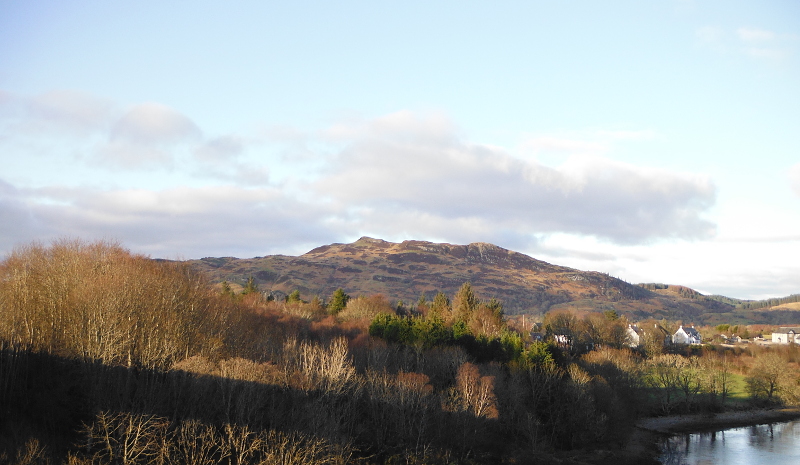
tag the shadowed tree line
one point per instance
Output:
(110, 357)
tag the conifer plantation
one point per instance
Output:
(112, 357)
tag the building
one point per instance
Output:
(687, 336)
(634, 336)
(637, 336)
(786, 334)
(563, 341)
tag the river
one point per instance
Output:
(774, 443)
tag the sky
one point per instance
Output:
(654, 141)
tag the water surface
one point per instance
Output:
(777, 443)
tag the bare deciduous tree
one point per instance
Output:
(764, 380)
(475, 393)
(125, 438)
(197, 444)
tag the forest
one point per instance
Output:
(111, 357)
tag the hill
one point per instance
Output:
(404, 271)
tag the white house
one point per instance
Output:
(786, 334)
(562, 340)
(634, 336)
(687, 336)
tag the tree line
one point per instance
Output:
(753, 305)
(737, 303)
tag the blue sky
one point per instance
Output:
(655, 141)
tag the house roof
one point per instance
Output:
(786, 329)
(635, 329)
(690, 331)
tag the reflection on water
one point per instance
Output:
(777, 442)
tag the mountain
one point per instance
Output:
(525, 285)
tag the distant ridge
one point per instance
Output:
(403, 271)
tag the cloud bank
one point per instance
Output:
(175, 223)
(419, 168)
(403, 175)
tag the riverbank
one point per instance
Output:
(715, 421)
(642, 445)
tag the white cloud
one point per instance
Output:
(765, 53)
(58, 113)
(81, 113)
(221, 158)
(754, 35)
(122, 154)
(399, 176)
(431, 128)
(762, 44)
(219, 151)
(756, 43)
(740, 269)
(186, 222)
(71, 110)
(151, 135)
(17, 224)
(153, 123)
(413, 168)
(71, 128)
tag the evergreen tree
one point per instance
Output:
(338, 301)
(251, 286)
(294, 297)
(496, 307)
(465, 303)
(441, 304)
(226, 289)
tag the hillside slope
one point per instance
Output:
(403, 271)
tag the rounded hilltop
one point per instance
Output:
(405, 270)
